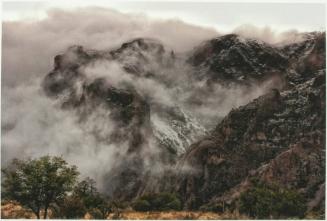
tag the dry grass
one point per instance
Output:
(12, 210)
(166, 215)
(177, 215)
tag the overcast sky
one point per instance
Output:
(222, 16)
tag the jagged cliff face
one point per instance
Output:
(152, 99)
(231, 58)
(150, 133)
(123, 109)
(279, 138)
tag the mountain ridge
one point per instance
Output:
(204, 165)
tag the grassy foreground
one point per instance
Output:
(13, 210)
(173, 215)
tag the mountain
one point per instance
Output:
(232, 58)
(255, 134)
(305, 57)
(152, 105)
(278, 138)
(118, 112)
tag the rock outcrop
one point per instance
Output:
(278, 138)
(145, 132)
(232, 58)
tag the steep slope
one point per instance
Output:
(305, 58)
(278, 137)
(105, 90)
(147, 99)
(302, 165)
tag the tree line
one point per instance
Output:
(50, 184)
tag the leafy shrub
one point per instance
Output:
(264, 201)
(70, 208)
(96, 213)
(96, 204)
(142, 205)
(173, 205)
(213, 207)
(86, 191)
(158, 202)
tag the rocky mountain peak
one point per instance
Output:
(232, 58)
(145, 44)
(278, 138)
(209, 167)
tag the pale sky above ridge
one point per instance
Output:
(222, 16)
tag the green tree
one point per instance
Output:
(142, 205)
(95, 203)
(84, 198)
(266, 201)
(86, 190)
(70, 208)
(38, 183)
(102, 209)
(107, 207)
(158, 202)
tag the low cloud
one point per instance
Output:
(269, 35)
(29, 47)
(34, 125)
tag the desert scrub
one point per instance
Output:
(271, 201)
(157, 202)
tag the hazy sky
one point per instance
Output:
(223, 16)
